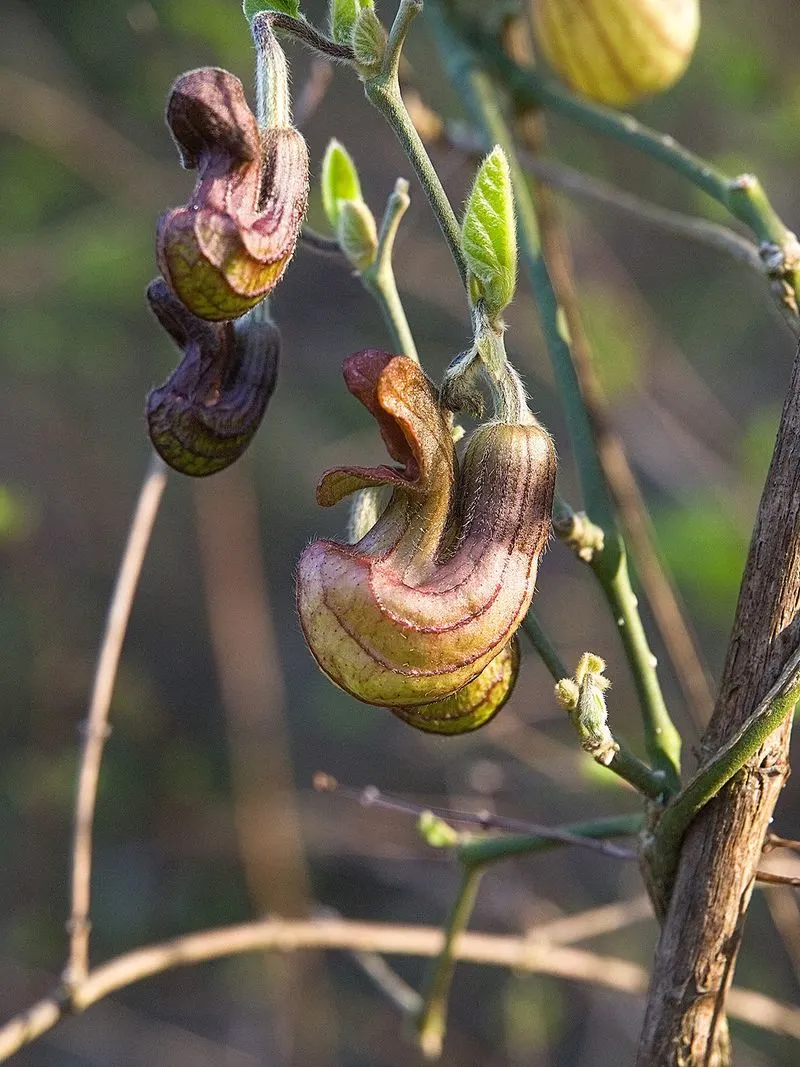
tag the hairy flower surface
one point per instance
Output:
(430, 596)
(228, 247)
(206, 413)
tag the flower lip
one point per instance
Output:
(208, 114)
(415, 430)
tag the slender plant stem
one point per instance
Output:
(383, 91)
(371, 796)
(582, 186)
(305, 33)
(475, 855)
(743, 196)
(662, 740)
(285, 935)
(664, 847)
(545, 647)
(432, 1019)
(475, 851)
(379, 278)
(96, 725)
(619, 477)
(320, 243)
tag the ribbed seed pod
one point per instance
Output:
(617, 51)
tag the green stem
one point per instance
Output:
(743, 196)
(664, 848)
(432, 1020)
(475, 854)
(610, 565)
(545, 647)
(379, 278)
(383, 92)
(481, 851)
(662, 740)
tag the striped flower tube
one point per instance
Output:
(432, 595)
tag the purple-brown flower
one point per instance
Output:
(205, 415)
(228, 247)
(429, 599)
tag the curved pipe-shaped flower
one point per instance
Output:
(205, 415)
(229, 246)
(423, 603)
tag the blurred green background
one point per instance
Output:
(206, 813)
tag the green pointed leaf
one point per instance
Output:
(287, 7)
(343, 15)
(488, 233)
(339, 180)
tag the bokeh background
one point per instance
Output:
(206, 813)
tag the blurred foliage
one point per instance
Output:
(695, 363)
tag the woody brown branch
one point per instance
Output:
(685, 1019)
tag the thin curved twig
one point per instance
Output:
(96, 727)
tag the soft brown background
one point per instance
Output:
(206, 814)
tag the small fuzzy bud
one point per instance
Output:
(357, 233)
(489, 236)
(342, 17)
(584, 698)
(369, 41)
(339, 180)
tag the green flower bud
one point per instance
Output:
(369, 41)
(342, 18)
(339, 180)
(357, 234)
(436, 832)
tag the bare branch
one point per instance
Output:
(96, 726)
(370, 796)
(518, 953)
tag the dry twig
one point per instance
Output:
(518, 953)
(96, 726)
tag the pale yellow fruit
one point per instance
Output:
(617, 51)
